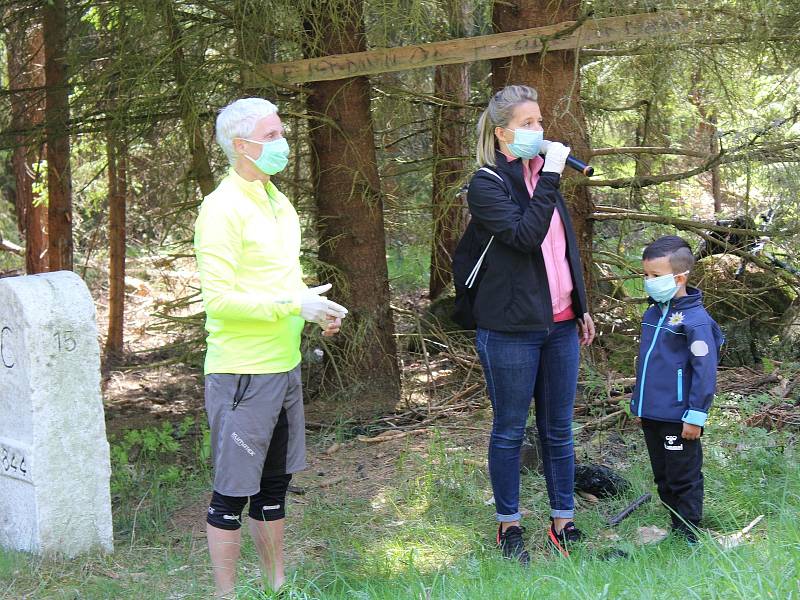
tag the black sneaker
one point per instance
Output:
(567, 536)
(512, 544)
(685, 532)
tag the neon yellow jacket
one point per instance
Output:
(247, 243)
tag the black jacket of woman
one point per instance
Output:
(512, 289)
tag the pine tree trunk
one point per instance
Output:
(201, 166)
(716, 178)
(450, 151)
(117, 195)
(59, 178)
(643, 161)
(350, 209)
(707, 136)
(557, 79)
(25, 53)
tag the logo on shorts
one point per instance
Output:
(273, 507)
(671, 439)
(240, 442)
(230, 517)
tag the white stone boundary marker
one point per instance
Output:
(54, 457)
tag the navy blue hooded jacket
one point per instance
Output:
(678, 355)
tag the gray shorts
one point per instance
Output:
(257, 428)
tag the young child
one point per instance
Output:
(675, 379)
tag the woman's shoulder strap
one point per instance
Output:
(494, 173)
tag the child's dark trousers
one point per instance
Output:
(677, 469)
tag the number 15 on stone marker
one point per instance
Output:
(65, 340)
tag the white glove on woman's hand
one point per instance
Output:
(317, 309)
(555, 156)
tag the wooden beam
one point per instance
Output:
(526, 41)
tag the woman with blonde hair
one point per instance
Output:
(529, 306)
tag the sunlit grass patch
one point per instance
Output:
(428, 532)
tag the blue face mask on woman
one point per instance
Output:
(526, 142)
(274, 156)
(662, 289)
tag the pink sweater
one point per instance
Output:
(554, 250)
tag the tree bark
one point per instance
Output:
(201, 166)
(716, 178)
(59, 178)
(25, 53)
(117, 195)
(349, 203)
(451, 84)
(707, 135)
(643, 161)
(556, 77)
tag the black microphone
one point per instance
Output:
(573, 162)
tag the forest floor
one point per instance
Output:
(401, 507)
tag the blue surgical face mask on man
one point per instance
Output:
(662, 289)
(274, 156)
(526, 142)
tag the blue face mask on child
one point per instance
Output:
(274, 156)
(526, 143)
(662, 289)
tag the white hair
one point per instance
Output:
(238, 119)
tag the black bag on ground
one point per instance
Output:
(600, 480)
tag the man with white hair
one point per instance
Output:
(247, 243)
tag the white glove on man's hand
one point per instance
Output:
(318, 309)
(555, 156)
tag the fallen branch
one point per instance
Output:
(475, 387)
(335, 447)
(590, 498)
(314, 426)
(777, 416)
(331, 481)
(389, 435)
(463, 361)
(602, 422)
(734, 539)
(754, 522)
(7, 246)
(628, 510)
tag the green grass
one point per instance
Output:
(428, 534)
(409, 266)
(431, 537)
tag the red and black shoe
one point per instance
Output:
(512, 544)
(562, 540)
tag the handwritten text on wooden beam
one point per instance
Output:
(499, 45)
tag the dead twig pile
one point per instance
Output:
(784, 415)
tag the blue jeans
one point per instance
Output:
(519, 366)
